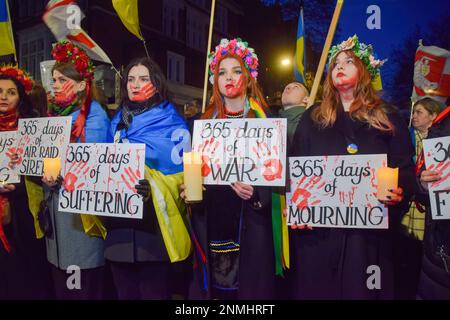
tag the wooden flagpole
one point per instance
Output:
(208, 50)
(326, 48)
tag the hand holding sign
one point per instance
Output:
(429, 176)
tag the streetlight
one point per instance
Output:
(286, 62)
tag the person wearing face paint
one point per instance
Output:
(293, 100)
(141, 253)
(333, 263)
(232, 226)
(73, 239)
(24, 271)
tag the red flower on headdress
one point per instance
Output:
(19, 75)
(65, 51)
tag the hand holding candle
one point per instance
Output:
(388, 191)
(52, 168)
(193, 179)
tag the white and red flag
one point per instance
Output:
(61, 17)
(431, 73)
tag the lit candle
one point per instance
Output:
(52, 168)
(193, 179)
(387, 179)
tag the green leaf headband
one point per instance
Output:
(362, 51)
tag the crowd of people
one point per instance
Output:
(224, 246)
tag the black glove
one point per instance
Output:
(143, 188)
(59, 182)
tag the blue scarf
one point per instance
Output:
(155, 128)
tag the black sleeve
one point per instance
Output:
(400, 155)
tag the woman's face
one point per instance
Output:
(421, 118)
(65, 88)
(9, 96)
(344, 73)
(231, 78)
(139, 86)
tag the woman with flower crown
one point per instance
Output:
(73, 239)
(24, 271)
(235, 253)
(335, 263)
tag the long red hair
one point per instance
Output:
(253, 90)
(366, 106)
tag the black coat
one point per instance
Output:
(434, 279)
(256, 272)
(24, 272)
(331, 263)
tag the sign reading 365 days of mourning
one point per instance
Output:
(38, 139)
(336, 192)
(7, 148)
(100, 179)
(249, 150)
(437, 158)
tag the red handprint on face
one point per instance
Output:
(146, 92)
(130, 178)
(66, 94)
(71, 177)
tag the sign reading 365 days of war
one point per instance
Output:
(249, 150)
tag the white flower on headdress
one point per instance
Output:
(347, 44)
(375, 62)
(211, 79)
(224, 42)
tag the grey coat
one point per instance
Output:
(69, 244)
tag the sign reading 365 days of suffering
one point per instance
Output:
(437, 158)
(100, 179)
(336, 192)
(38, 139)
(249, 150)
(7, 147)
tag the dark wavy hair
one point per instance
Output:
(156, 77)
(25, 106)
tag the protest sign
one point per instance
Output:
(437, 158)
(100, 179)
(336, 191)
(7, 147)
(249, 150)
(40, 138)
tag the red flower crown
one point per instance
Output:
(20, 75)
(65, 51)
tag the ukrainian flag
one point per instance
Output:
(6, 38)
(300, 56)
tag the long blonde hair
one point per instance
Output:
(366, 106)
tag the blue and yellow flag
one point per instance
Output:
(6, 35)
(300, 56)
(127, 10)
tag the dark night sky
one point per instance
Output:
(274, 38)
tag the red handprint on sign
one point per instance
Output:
(273, 168)
(130, 178)
(73, 174)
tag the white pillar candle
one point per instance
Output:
(387, 179)
(52, 168)
(193, 180)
